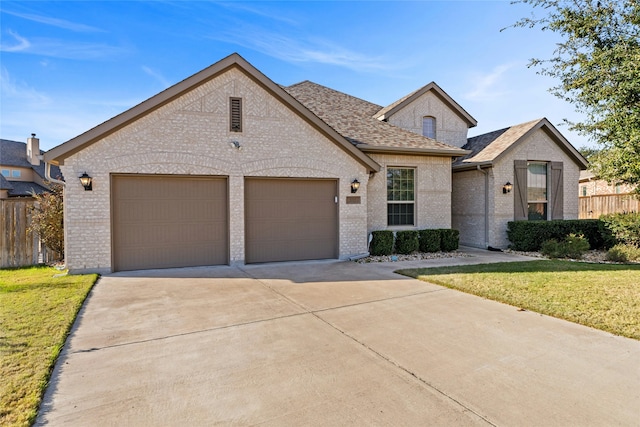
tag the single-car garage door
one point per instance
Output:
(290, 219)
(165, 221)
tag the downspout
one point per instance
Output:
(486, 206)
(47, 173)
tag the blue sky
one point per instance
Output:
(67, 66)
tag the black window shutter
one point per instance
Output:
(520, 209)
(556, 196)
(235, 116)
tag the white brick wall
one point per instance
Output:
(433, 191)
(468, 198)
(190, 136)
(450, 128)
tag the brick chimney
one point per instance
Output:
(33, 150)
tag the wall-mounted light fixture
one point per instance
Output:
(86, 181)
(236, 144)
(355, 184)
(507, 188)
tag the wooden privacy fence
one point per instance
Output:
(18, 247)
(594, 206)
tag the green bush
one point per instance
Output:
(529, 235)
(449, 239)
(625, 227)
(406, 241)
(429, 240)
(382, 242)
(623, 253)
(573, 246)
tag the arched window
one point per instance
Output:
(429, 127)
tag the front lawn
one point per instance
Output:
(603, 296)
(36, 314)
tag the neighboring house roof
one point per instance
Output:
(354, 119)
(14, 153)
(586, 175)
(58, 154)
(488, 148)
(391, 109)
(4, 184)
(26, 189)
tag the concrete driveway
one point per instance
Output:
(330, 343)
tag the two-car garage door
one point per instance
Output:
(165, 221)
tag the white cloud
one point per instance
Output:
(20, 43)
(157, 76)
(19, 90)
(490, 86)
(60, 23)
(295, 50)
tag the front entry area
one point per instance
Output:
(167, 221)
(289, 219)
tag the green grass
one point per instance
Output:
(602, 296)
(36, 314)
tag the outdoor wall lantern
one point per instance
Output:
(355, 184)
(507, 188)
(86, 181)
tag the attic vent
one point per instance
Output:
(235, 117)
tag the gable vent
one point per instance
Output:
(235, 115)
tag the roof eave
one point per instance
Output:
(407, 150)
(472, 166)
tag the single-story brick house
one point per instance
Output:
(229, 167)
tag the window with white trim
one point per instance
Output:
(400, 196)
(429, 127)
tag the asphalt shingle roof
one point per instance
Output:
(4, 184)
(14, 153)
(354, 119)
(485, 148)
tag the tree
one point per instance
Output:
(47, 219)
(598, 66)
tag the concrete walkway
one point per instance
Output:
(330, 343)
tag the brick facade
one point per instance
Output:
(190, 136)
(468, 189)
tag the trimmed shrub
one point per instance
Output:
(406, 241)
(529, 235)
(449, 239)
(429, 240)
(625, 227)
(623, 253)
(382, 242)
(573, 246)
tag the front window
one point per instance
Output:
(6, 172)
(429, 127)
(15, 174)
(400, 196)
(537, 199)
(584, 190)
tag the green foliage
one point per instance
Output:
(597, 67)
(429, 240)
(573, 246)
(623, 253)
(382, 242)
(449, 239)
(406, 242)
(624, 226)
(47, 219)
(529, 235)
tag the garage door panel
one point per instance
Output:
(169, 221)
(290, 219)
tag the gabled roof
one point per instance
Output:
(58, 154)
(4, 184)
(354, 119)
(14, 153)
(486, 149)
(391, 109)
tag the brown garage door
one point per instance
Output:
(169, 221)
(290, 219)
